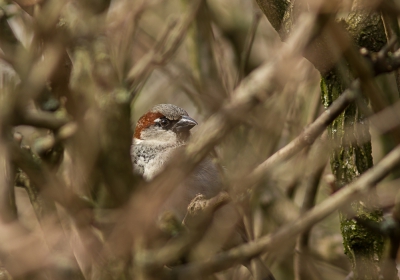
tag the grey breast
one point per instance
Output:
(204, 180)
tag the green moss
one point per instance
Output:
(348, 161)
(281, 8)
(352, 158)
(357, 237)
(353, 154)
(367, 30)
(279, 15)
(362, 245)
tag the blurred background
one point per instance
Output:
(75, 76)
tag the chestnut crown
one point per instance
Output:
(164, 122)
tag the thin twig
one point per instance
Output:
(392, 32)
(245, 55)
(308, 136)
(163, 50)
(198, 217)
(389, 7)
(8, 210)
(274, 241)
(253, 90)
(55, 189)
(311, 183)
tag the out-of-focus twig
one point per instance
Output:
(8, 210)
(52, 187)
(163, 50)
(256, 88)
(49, 142)
(314, 130)
(308, 136)
(392, 31)
(381, 61)
(253, 90)
(244, 59)
(206, 73)
(17, 244)
(47, 216)
(271, 242)
(311, 183)
(8, 41)
(6, 59)
(41, 119)
(180, 80)
(393, 232)
(389, 7)
(197, 219)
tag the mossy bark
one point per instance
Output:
(278, 14)
(348, 161)
(353, 155)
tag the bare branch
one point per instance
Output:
(248, 45)
(41, 119)
(253, 90)
(168, 44)
(274, 241)
(308, 136)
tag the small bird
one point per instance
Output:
(158, 134)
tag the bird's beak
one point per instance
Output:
(185, 124)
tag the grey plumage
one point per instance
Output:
(154, 146)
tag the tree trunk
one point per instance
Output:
(352, 158)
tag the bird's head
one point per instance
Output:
(164, 123)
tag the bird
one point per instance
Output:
(159, 133)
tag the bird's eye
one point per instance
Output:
(164, 122)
